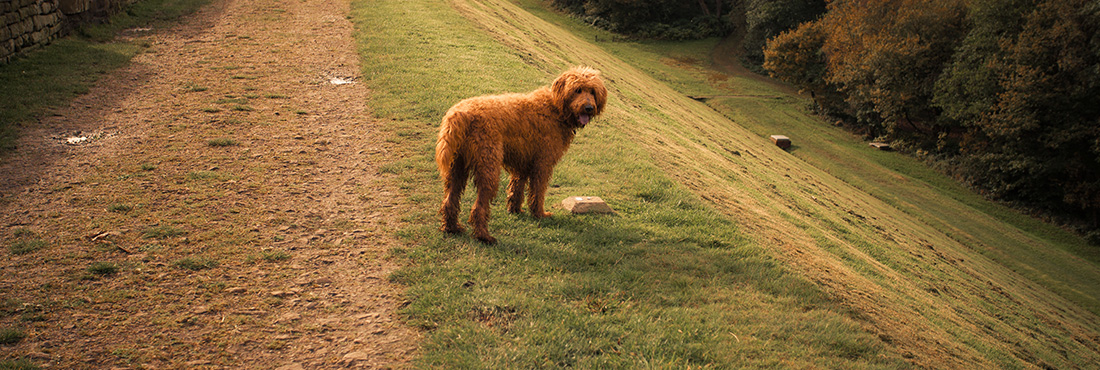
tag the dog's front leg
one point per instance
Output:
(539, 181)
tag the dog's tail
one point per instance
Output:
(452, 133)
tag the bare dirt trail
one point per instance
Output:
(224, 208)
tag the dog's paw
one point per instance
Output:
(456, 229)
(487, 239)
(543, 215)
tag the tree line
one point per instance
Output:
(1003, 95)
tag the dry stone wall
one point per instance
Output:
(28, 24)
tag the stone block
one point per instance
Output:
(27, 12)
(21, 28)
(579, 205)
(10, 18)
(781, 141)
(38, 37)
(74, 6)
(40, 21)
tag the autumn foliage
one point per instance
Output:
(1004, 94)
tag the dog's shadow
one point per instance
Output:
(521, 233)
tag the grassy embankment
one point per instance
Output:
(667, 281)
(725, 250)
(52, 76)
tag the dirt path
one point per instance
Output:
(726, 58)
(224, 208)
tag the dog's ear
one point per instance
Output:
(560, 90)
(601, 93)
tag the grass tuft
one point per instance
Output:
(194, 88)
(222, 142)
(274, 255)
(195, 263)
(120, 208)
(11, 335)
(162, 232)
(103, 268)
(26, 246)
(18, 364)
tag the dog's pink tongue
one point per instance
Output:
(584, 119)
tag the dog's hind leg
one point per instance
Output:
(486, 168)
(516, 187)
(453, 185)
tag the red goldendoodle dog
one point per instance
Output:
(526, 134)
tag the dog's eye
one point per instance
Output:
(579, 90)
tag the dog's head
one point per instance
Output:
(580, 94)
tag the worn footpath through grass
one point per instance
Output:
(889, 286)
(216, 202)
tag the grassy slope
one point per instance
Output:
(669, 280)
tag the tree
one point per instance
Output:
(795, 56)
(765, 19)
(885, 56)
(1047, 104)
(1012, 85)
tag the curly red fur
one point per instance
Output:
(526, 134)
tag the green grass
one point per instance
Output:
(26, 246)
(18, 364)
(11, 335)
(879, 214)
(103, 268)
(274, 255)
(120, 208)
(222, 142)
(667, 282)
(195, 263)
(162, 232)
(26, 241)
(725, 250)
(50, 77)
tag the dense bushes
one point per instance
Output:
(1004, 94)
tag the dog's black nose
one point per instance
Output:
(589, 108)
